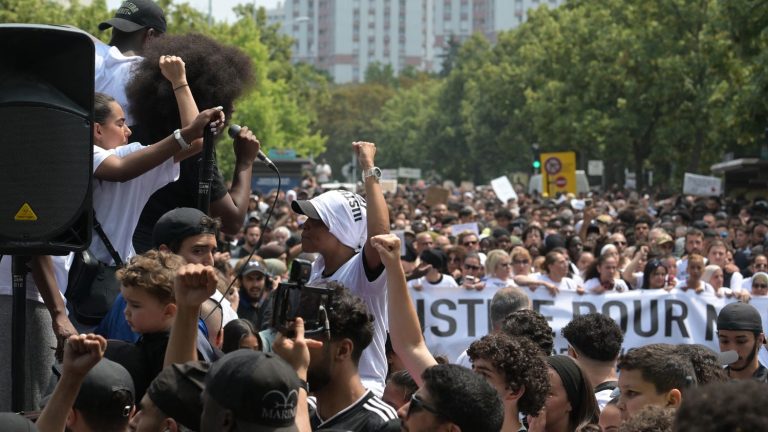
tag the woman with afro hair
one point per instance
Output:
(217, 75)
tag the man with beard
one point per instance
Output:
(342, 402)
(740, 329)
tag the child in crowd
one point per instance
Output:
(147, 286)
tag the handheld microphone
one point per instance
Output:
(234, 130)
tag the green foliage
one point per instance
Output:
(667, 86)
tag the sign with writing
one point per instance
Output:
(452, 318)
(559, 173)
(694, 184)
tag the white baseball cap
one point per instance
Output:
(343, 212)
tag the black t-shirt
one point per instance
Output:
(181, 193)
(368, 414)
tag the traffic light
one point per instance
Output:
(536, 158)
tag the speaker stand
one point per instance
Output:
(20, 266)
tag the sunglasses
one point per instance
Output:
(506, 264)
(417, 404)
(471, 267)
(470, 243)
(760, 286)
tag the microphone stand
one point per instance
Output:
(206, 172)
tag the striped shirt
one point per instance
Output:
(367, 414)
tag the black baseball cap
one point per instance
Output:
(99, 387)
(134, 15)
(255, 266)
(179, 224)
(740, 316)
(258, 387)
(177, 389)
(434, 257)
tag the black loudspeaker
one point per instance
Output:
(46, 138)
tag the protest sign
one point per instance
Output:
(700, 185)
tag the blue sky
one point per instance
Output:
(222, 9)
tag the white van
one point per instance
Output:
(582, 183)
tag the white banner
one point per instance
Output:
(452, 318)
(694, 184)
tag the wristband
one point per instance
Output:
(180, 139)
(181, 86)
(303, 384)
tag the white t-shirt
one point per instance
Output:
(566, 284)
(373, 363)
(682, 269)
(737, 281)
(119, 205)
(603, 397)
(446, 281)
(680, 285)
(495, 283)
(6, 278)
(112, 72)
(618, 285)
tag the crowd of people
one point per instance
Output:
(293, 310)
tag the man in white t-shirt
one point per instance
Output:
(135, 23)
(339, 227)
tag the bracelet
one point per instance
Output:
(181, 86)
(303, 385)
(179, 139)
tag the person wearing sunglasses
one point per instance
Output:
(452, 398)
(471, 243)
(498, 270)
(760, 284)
(472, 272)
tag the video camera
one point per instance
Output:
(295, 299)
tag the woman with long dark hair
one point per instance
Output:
(571, 405)
(655, 276)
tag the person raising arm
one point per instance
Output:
(404, 328)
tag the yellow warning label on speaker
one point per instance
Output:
(25, 213)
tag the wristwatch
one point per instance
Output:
(374, 172)
(180, 139)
